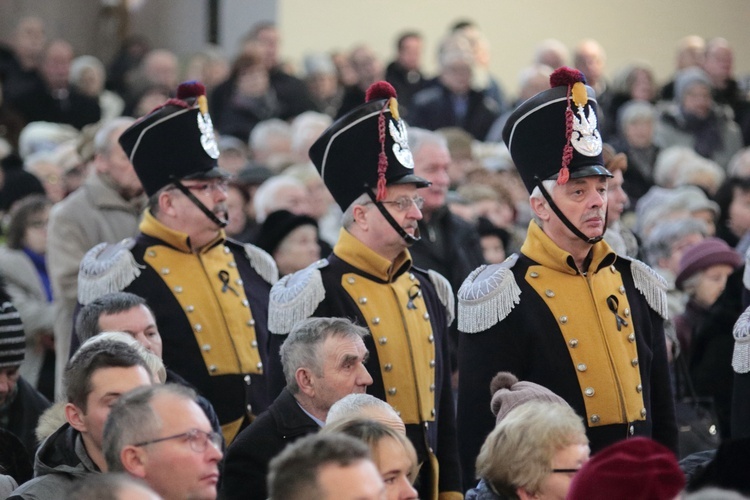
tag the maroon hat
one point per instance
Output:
(634, 468)
(702, 255)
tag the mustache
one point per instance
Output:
(594, 214)
(220, 209)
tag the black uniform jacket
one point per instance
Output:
(408, 347)
(551, 325)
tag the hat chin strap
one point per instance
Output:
(565, 220)
(203, 208)
(409, 239)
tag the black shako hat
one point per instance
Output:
(554, 135)
(175, 141)
(366, 149)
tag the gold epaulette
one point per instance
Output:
(106, 268)
(487, 296)
(295, 297)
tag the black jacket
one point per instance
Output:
(23, 414)
(246, 462)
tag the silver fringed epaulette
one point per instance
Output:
(487, 296)
(651, 285)
(445, 293)
(741, 332)
(295, 297)
(746, 272)
(106, 268)
(262, 262)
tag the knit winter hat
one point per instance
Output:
(277, 226)
(633, 468)
(686, 78)
(508, 393)
(12, 339)
(702, 255)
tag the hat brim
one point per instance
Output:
(421, 182)
(588, 171)
(214, 173)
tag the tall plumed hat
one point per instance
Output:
(554, 135)
(175, 141)
(366, 149)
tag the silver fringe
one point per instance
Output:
(262, 262)
(651, 285)
(741, 332)
(445, 294)
(484, 303)
(106, 270)
(295, 297)
(746, 273)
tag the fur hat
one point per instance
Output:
(702, 255)
(633, 468)
(508, 393)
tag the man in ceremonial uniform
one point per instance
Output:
(567, 312)
(365, 161)
(209, 294)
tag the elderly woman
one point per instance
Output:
(23, 265)
(695, 120)
(292, 240)
(392, 452)
(533, 452)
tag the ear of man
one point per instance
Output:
(305, 381)
(134, 461)
(74, 416)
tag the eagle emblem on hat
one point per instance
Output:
(588, 142)
(208, 139)
(401, 143)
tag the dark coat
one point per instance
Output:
(437, 436)
(23, 414)
(232, 395)
(432, 109)
(529, 343)
(246, 462)
(38, 104)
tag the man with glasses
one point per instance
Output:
(159, 434)
(365, 161)
(209, 294)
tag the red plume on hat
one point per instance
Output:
(575, 81)
(376, 91)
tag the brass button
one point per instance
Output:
(206, 347)
(432, 363)
(643, 412)
(631, 430)
(383, 340)
(631, 337)
(639, 388)
(226, 250)
(582, 367)
(233, 264)
(165, 270)
(412, 277)
(419, 293)
(392, 391)
(178, 289)
(432, 387)
(589, 391)
(612, 268)
(151, 253)
(549, 293)
(626, 312)
(634, 362)
(534, 274)
(247, 379)
(388, 367)
(259, 366)
(251, 322)
(363, 300)
(426, 316)
(573, 343)
(350, 280)
(431, 339)
(254, 343)
(432, 412)
(212, 368)
(376, 320)
(239, 281)
(622, 289)
(190, 309)
(563, 319)
(595, 419)
(245, 303)
(198, 327)
(249, 408)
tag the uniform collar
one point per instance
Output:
(150, 226)
(540, 248)
(359, 255)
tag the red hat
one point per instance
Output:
(702, 255)
(634, 468)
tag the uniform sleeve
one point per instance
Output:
(662, 397)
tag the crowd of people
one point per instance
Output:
(358, 280)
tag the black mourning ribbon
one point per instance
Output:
(224, 278)
(413, 294)
(613, 304)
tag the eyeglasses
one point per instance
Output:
(197, 438)
(404, 203)
(208, 188)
